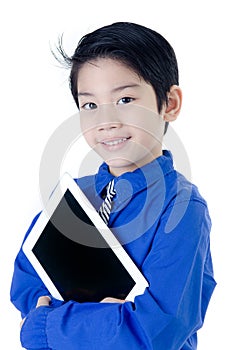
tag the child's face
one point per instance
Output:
(119, 115)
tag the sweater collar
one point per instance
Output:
(139, 178)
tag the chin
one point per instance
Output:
(118, 162)
(119, 166)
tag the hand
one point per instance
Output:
(112, 300)
(42, 301)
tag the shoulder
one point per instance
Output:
(180, 189)
(184, 203)
(88, 185)
(85, 182)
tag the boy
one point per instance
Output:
(124, 79)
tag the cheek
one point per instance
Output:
(149, 127)
(87, 130)
(90, 139)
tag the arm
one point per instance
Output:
(26, 286)
(164, 317)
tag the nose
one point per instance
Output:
(108, 118)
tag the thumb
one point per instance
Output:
(43, 301)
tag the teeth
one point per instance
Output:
(115, 142)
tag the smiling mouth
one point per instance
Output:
(115, 142)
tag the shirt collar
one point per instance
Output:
(139, 178)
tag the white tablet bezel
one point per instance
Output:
(68, 183)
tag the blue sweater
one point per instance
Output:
(164, 224)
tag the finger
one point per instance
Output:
(43, 301)
(113, 300)
(22, 322)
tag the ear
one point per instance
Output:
(173, 107)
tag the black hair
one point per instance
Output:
(144, 50)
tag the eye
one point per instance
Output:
(89, 106)
(125, 100)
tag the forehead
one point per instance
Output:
(106, 70)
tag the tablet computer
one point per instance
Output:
(76, 255)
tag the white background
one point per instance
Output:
(35, 100)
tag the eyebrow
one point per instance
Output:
(119, 88)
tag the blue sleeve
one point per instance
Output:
(26, 286)
(179, 270)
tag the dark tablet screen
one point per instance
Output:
(77, 259)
